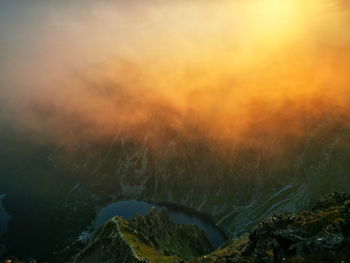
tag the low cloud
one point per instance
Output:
(228, 74)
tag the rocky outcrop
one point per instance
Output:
(150, 238)
(59, 192)
(107, 246)
(318, 235)
(321, 234)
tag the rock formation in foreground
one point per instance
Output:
(150, 238)
(321, 234)
(318, 235)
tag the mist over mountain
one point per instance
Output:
(238, 110)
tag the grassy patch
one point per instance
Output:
(143, 250)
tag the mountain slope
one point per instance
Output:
(152, 238)
(320, 234)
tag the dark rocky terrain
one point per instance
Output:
(321, 234)
(318, 235)
(59, 192)
(150, 238)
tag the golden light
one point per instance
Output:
(279, 21)
(201, 64)
(277, 15)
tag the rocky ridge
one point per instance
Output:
(320, 234)
(59, 192)
(150, 238)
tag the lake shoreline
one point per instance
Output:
(178, 213)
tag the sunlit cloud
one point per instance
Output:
(224, 72)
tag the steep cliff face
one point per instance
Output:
(230, 182)
(108, 246)
(150, 238)
(239, 188)
(320, 234)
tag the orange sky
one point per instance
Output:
(227, 71)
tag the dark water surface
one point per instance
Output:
(178, 214)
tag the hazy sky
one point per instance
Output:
(219, 68)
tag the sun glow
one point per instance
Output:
(281, 21)
(275, 16)
(214, 68)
